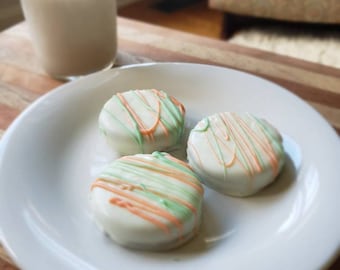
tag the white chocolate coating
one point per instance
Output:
(148, 201)
(235, 154)
(142, 121)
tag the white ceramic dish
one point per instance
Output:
(52, 152)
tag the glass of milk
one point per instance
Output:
(73, 37)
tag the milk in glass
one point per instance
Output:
(72, 37)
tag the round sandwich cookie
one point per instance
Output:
(142, 121)
(235, 154)
(148, 201)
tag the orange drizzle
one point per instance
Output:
(223, 143)
(130, 187)
(220, 158)
(154, 126)
(142, 204)
(122, 184)
(178, 104)
(186, 204)
(134, 210)
(141, 126)
(158, 112)
(174, 100)
(143, 130)
(182, 177)
(250, 143)
(244, 146)
(265, 145)
(260, 141)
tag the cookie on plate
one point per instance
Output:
(142, 121)
(235, 154)
(148, 201)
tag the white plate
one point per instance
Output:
(52, 152)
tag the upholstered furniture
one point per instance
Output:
(307, 11)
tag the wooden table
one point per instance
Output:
(22, 78)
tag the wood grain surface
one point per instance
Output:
(22, 79)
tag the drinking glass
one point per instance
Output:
(72, 37)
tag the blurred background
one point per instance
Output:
(304, 29)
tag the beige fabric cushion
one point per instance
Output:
(323, 11)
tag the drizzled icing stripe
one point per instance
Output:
(264, 144)
(141, 127)
(243, 145)
(239, 139)
(166, 113)
(153, 128)
(134, 202)
(137, 210)
(142, 194)
(128, 186)
(140, 173)
(166, 171)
